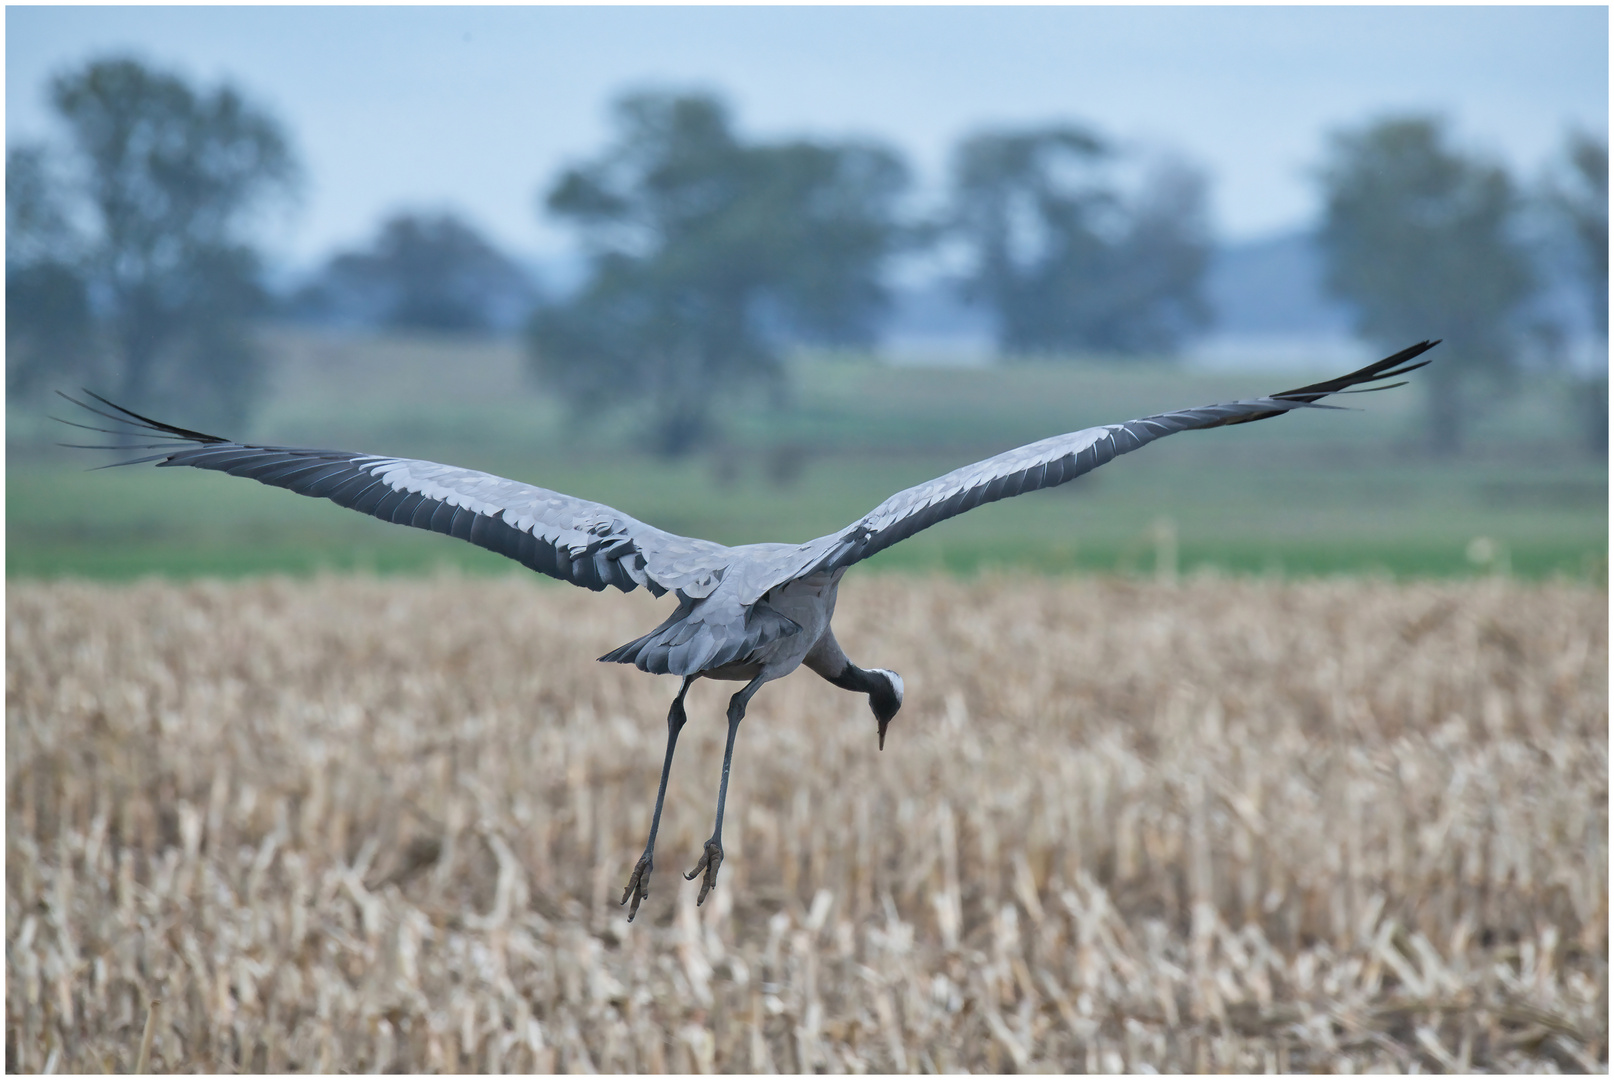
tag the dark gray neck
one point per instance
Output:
(827, 659)
(861, 680)
(884, 688)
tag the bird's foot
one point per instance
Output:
(711, 859)
(638, 885)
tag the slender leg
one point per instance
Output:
(639, 884)
(712, 857)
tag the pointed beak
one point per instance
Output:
(883, 723)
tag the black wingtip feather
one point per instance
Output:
(87, 407)
(1387, 368)
(131, 461)
(184, 433)
(122, 433)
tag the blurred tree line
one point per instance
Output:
(705, 251)
(422, 272)
(1425, 240)
(130, 260)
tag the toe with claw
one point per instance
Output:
(638, 885)
(711, 859)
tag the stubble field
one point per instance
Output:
(361, 825)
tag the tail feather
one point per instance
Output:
(629, 653)
(687, 644)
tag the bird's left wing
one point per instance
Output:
(586, 543)
(1056, 461)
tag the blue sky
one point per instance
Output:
(475, 108)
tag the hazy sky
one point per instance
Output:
(476, 108)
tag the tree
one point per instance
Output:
(167, 179)
(1580, 197)
(47, 301)
(422, 272)
(705, 252)
(1064, 257)
(1416, 237)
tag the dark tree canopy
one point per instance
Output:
(1580, 196)
(1066, 258)
(705, 252)
(36, 222)
(1417, 239)
(166, 181)
(48, 322)
(422, 272)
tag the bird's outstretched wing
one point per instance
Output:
(586, 543)
(1059, 460)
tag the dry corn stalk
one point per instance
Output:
(362, 825)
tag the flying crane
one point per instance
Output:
(750, 614)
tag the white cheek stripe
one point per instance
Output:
(896, 680)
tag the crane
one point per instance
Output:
(749, 614)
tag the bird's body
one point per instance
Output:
(752, 613)
(808, 602)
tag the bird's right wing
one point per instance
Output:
(586, 543)
(1057, 461)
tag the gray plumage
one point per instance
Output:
(753, 612)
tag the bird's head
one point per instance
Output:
(885, 699)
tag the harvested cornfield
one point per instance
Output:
(361, 825)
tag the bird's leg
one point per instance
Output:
(639, 884)
(712, 857)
